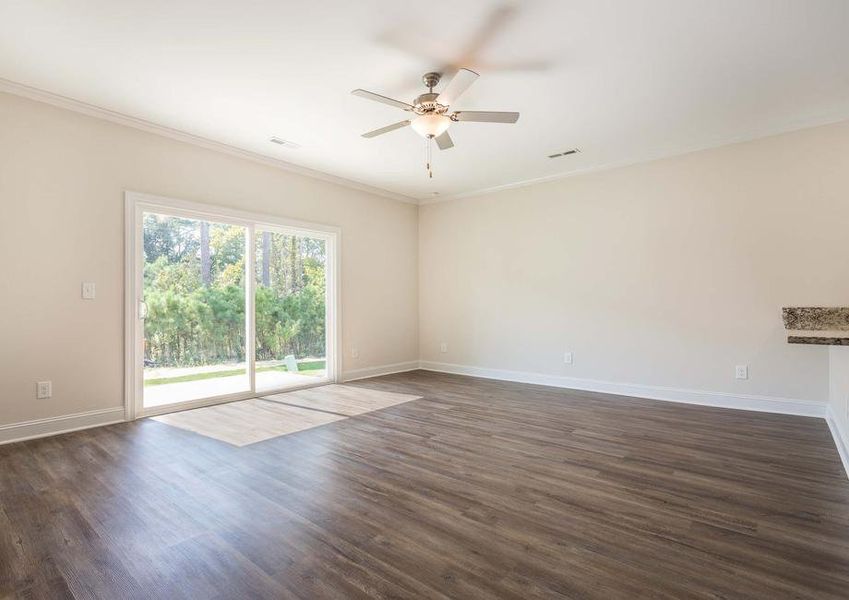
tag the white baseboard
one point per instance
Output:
(841, 438)
(401, 367)
(786, 406)
(27, 430)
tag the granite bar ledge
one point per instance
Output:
(818, 341)
(817, 325)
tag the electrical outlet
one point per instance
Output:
(567, 358)
(89, 290)
(443, 347)
(741, 371)
(355, 352)
(43, 389)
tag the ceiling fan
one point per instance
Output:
(432, 110)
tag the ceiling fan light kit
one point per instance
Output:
(433, 118)
(431, 125)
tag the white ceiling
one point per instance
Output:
(622, 80)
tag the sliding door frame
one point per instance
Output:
(135, 205)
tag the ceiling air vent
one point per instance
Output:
(284, 143)
(565, 153)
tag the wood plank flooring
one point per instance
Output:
(481, 489)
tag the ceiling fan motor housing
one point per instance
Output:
(427, 104)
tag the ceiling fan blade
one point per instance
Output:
(482, 116)
(492, 26)
(386, 129)
(455, 88)
(378, 98)
(444, 141)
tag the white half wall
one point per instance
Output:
(838, 400)
(666, 274)
(62, 182)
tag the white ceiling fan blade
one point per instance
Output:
(383, 99)
(455, 88)
(482, 116)
(386, 129)
(444, 141)
(493, 25)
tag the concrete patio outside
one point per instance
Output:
(181, 391)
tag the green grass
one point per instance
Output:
(314, 365)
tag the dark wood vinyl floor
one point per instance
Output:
(482, 489)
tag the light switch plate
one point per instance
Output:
(43, 389)
(89, 290)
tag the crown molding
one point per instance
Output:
(39, 95)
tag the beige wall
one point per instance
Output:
(662, 274)
(668, 273)
(62, 179)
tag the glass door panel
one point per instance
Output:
(194, 297)
(290, 310)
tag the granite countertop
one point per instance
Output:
(818, 325)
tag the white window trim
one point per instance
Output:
(135, 204)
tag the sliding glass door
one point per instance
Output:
(225, 305)
(194, 297)
(290, 307)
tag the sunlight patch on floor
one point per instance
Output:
(258, 419)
